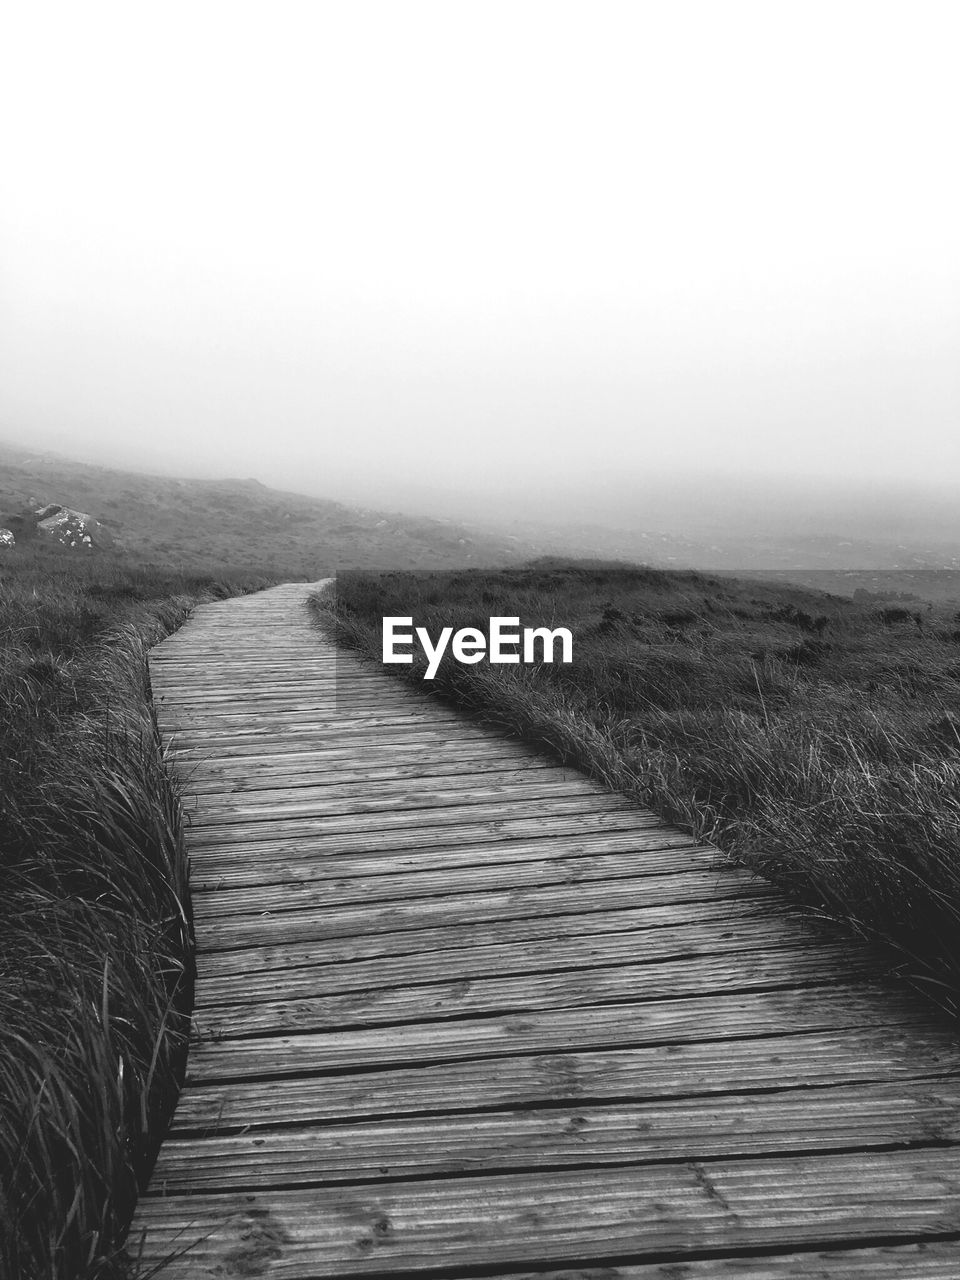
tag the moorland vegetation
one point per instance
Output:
(814, 738)
(95, 937)
(208, 523)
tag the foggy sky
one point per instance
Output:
(383, 250)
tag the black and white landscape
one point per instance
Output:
(629, 949)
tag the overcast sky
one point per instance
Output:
(478, 245)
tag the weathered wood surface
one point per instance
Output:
(461, 1012)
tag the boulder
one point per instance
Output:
(70, 528)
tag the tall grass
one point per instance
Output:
(95, 938)
(815, 739)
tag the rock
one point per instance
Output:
(6, 538)
(71, 528)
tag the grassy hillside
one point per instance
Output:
(95, 948)
(815, 738)
(212, 523)
(940, 587)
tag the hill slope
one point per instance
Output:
(218, 522)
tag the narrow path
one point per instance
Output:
(460, 1012)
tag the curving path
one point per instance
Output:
(461, 1012)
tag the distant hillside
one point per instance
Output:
(233, 522)
(735, 550)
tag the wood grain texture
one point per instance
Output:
(410, 885)
(628, 1212)
(737, 918)
(660, 852)
(926, 1261)
(676, 1021)
(797, 1061)
(460, 1012)
(557, 1137)
(417, 967)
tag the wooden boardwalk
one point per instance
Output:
(460, 1012)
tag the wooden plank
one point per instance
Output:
(633, 1212)
(483, 960)
(796, 1061)
(324, 708)
(418, 726)
(317, 773)
(275, 687)
(380, 767)
(287, 801)
(193, 651)
(358, 732)
(282, 681)
(661, 852)
(317, 690)
(343, 921)
(324, 717)
(220, 902)
(213, 876)
(358, 740)
(526, 793)
(333, 756)
(581, 988)
(681, 1021)
(360, 729)
(201, 650)
(364, 682)
(344, 725)
(367, 685)
(930, 1260)
(838, 1119)
(498, 820)
(741, 919)
(378, 837)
